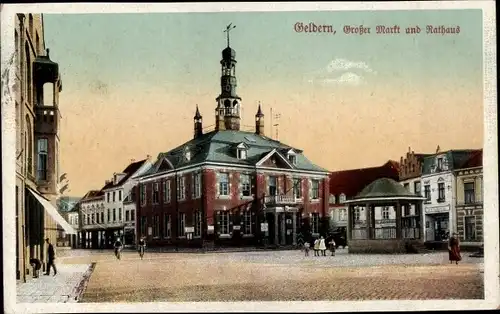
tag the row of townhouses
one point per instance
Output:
(37, 84)
(451, 183)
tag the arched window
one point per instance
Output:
(28, 140)
(29, 81)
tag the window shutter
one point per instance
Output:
(217, 221)
(242, 217)
(240, 185)
(266, 185)
(309, 181)
(230, 178)
(217, 183)
(192, 186)
(278, 182)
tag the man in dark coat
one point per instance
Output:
(51, 254)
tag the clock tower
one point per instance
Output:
(227, 113)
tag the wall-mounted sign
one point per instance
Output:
(210, 229)
(150, 230)
(437, 209)
(236, 227)
(188, 229)
(263, 227)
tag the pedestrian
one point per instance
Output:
(306, 248)
(322, 246)
(35, 263)
(142, 246)
(454, 249)
(332, 246)
(51, 254)
(316, 247)
(118, 248)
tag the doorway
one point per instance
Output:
(270, 219)
(441, 231)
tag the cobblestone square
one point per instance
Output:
(277, 276)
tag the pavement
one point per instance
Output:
(65, 287)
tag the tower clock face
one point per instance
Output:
(228, 88)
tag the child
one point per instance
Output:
(316, 247)
(306, 248)
(35, 263)
(332, 247)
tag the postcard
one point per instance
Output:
(250, 157)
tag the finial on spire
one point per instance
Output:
(228, 29)
(197, 115)
(259, 112)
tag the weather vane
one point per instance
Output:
(228, 28)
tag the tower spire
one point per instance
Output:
(227, 30)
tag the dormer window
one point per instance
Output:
(292, 157)
(241, 151)
(440, 163)
(187, 154)
(342, 198)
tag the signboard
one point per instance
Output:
(188, 229)
(263, 227)
(190, 236)
(150, 230)
(437, 209)
(210, 229)
(236, 227)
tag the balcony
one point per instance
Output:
(281, 200)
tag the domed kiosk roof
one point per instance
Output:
(385, 189)
(228, 54)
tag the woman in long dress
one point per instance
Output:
(322, 246)
(454, 249)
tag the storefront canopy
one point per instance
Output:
(52, 211)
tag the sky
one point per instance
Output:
(131, 83)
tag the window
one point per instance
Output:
(245, 184)
(470, 228)
(88, 219)
(407, 186)
(297, 188)
(109, 215)
(247, 222)
(417, 188)
(132, 214)
(292, 158)
(342, 214)
(187, 154)
(315, 223)
(315, 189)
(441, 196)
(272, 186)
(357, 214)
(127, 213)
(93, 218)
(156, 226)
(223, 184)
(114, 214)
(342, 198)
(37, 48)
(119, 214)
(97, 217)
(156, 193)
(224, 222)
(181, 188)
(197, 223)
(385, 213)
(114, 196)
(143, 225)
(119, 196)
(196, 185)
(242, 153)
(182, 225)
(469, 192)
(42, 159)
(143, 194)
(102, 217)
(107, 197)
(166, 191)
(167, 225)
(427, 192)
(440, 163)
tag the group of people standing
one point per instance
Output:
(319, 247)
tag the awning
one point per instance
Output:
(52, 211)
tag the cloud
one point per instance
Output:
(341, 71)
(340, 64)
(348, 78)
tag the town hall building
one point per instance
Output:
(232, 187)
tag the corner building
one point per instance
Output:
(232, 188)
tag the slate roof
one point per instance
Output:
(476, 160)
(382, 188)
(351, 182)
(457, 157)
(220, 146)
(128, 171)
